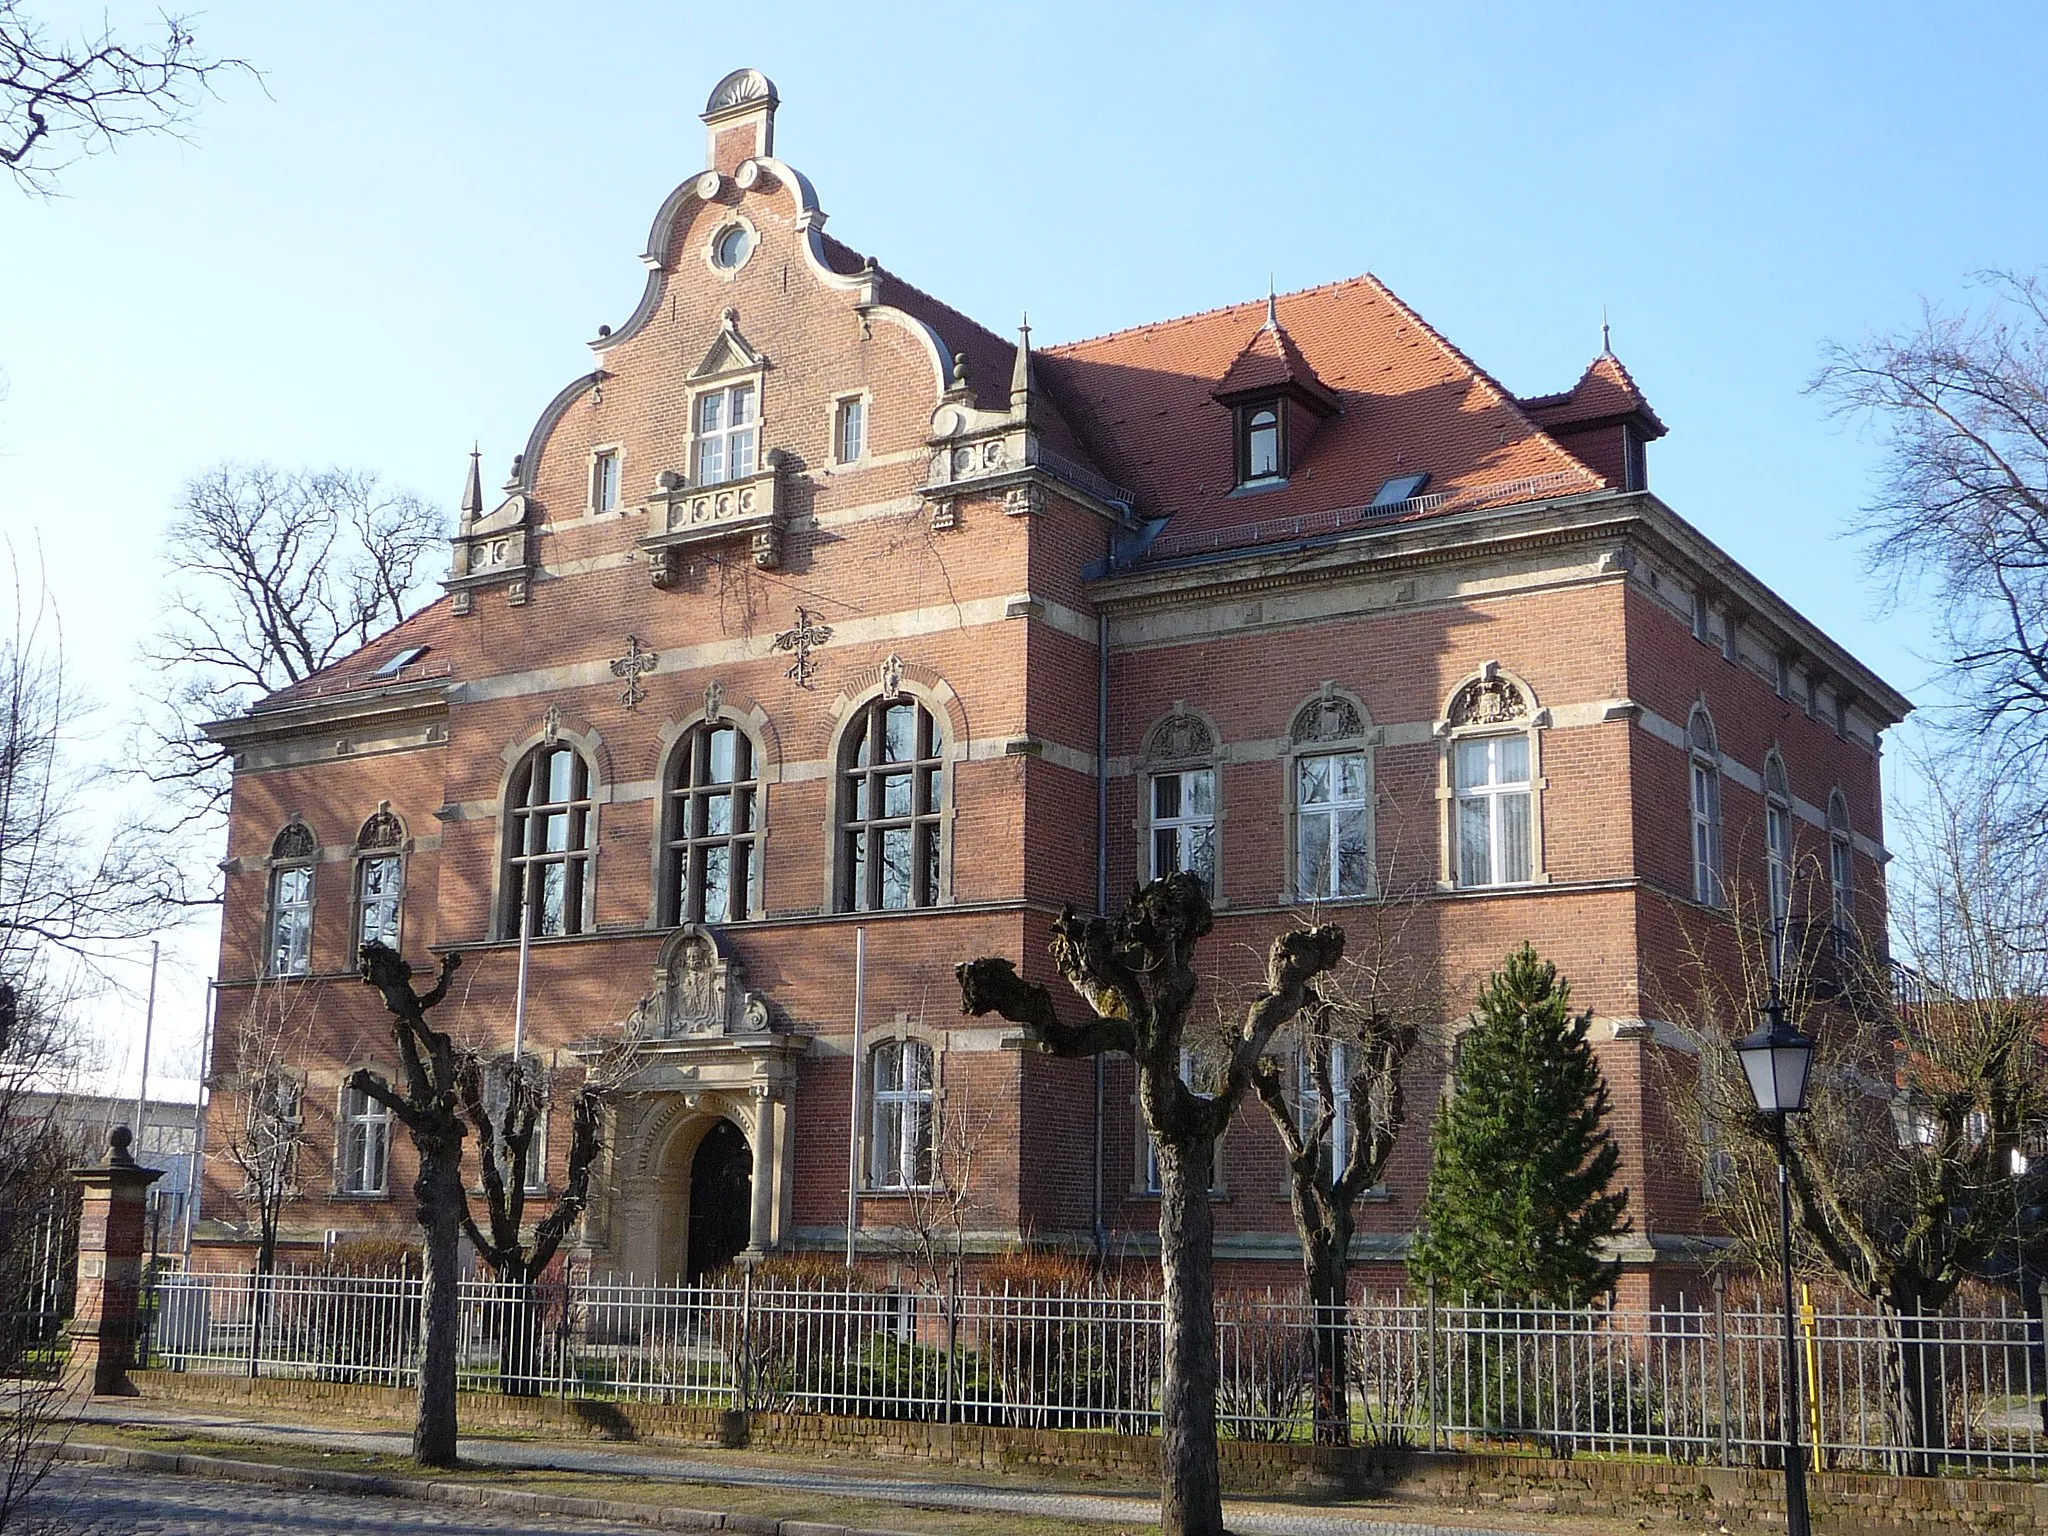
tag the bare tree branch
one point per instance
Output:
(62, 101)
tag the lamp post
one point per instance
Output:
(1775, 1059)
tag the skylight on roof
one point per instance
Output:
(400, 661)
(1399, 489)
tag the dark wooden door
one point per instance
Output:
(721, 1199)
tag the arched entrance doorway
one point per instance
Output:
(721, 1200)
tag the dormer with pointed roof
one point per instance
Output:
(1604, 421)
(1275, 400)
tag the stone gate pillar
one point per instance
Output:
(110, 1234)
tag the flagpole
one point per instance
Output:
(860, 987)
(148, 1029)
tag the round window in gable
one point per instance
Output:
(733, 245)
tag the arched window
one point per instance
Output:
(1842, 867)
(892, 767)
(365, 1144)
(549, 844)
(1493, 830)
(1260, 450)
(531, 1083)
(901, 1130)
(290, 950)
(1777, 854)
(1332, 801)
(1180, 797)
(380, 879)
(1706, 808)
(712, 872)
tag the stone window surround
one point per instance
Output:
(863, 397)
(728, 218)
(904, 1028)
(598, 451)
(922, 686)
(276, 865)
(1144, 1184)
(674, 737)
(1536, 721)
(343, 1121)
(1705, 757)
(360, 854)
(1293, 751)
(1154, 759)
(597, 766)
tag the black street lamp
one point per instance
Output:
(1776, 1060)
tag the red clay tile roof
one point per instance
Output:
(1411, 402)
(1605, 392)
(449, 646)
(1271, 361)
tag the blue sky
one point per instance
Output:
(401, 241)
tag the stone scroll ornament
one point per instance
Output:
(807, 635)
(1489, 700)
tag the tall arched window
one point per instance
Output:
(901, 1131)
(1706, 808)
(380, 879)
(549, 843)
(1180, 799)
(1332, 800)
(713, 820)
(892, 768)
(290, 948)
(1777, 854)
(1842, 867)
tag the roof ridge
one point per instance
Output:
(1205, 314)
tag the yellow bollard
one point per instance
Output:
(1806, 1327)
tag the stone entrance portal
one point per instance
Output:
(721, 1201)
(703, 1153)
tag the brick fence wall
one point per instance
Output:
(1739, 1498)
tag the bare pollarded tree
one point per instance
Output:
(1135, 974)
(60, 101)
(428, 1106)
(280, 574)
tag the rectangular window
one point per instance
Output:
(1493, 807)
(1332, 848)
(1783, 677)
(291, 921)
(1187, 1075)
(1184, 824)
(1310, 1101)
(1706, 833)
(604, 481)
(1261, 443)
(1699, 616)
(1731, 648)
(901, 1132)
(378, 887)
(849, 425)
(1778, 856)
(498, 1103)
(366, 1144)
(727, 428)
(1842, 878)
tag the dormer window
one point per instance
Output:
(726, 435)
(1261, 445)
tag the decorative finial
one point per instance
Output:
(473, 488)
(1272, 306)
(960, 372)
(118, 1141)
(1606, 349)
(1020, 371)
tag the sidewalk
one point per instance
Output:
(707, 1471)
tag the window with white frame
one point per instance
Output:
(1333, 829)
(1309, 1103)
(1494, 810)
(713, 823)
(1188, 1075)
(274, 1120)
(290, 950)
(892, 774)
(1777, 855)
(849, 430)
(1184, 824)
(1842, 867)
(380, 880)
(727, 432)
(604, 480)
(530, 1085)
(1706, 809)
(1261, 443)
(550, 843)
(365, 1144)
(900, 1098)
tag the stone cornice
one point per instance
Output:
(380, 706)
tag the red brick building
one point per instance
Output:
(817, 607)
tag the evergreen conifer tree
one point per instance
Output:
(1521, 1159)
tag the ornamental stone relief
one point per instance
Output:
(1329, 718)
(1489, 699)
(699, 989)
(1178, 736)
